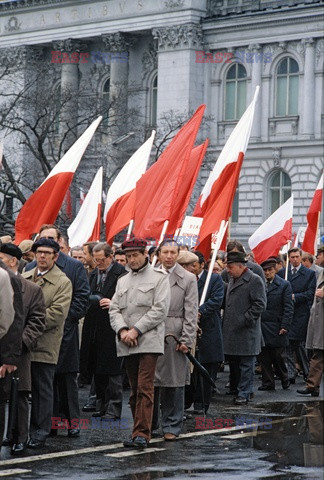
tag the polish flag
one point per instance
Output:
(313, 216)
(120, 201)
(182, 200)
(86, 225)
(44, 204)
(158, 189)
(216, 199)
(275, 232)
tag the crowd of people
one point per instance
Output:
(88, 314)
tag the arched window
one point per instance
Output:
(235, 92)
(279, 190)
(287, 87)
(105, 103)
(153, 101)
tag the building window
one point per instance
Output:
(153, 101)
(287, 87)
(105, 103)
(280, 190)
(235, 92)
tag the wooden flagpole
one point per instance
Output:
(164, 229)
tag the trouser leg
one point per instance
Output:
(172, 409)
(114, 396)
(245, 386)
(42, 400)
(265, 359)
(315, 370)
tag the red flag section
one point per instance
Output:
(273, 234)
(158, 189)
(95, 236)
(120, 202)
(182, 200)
(313, 214)
(44, 204)
(215, 202)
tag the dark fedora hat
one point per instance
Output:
(236, 257)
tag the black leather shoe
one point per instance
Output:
(53, 432)
(6, 442)
(308, 391)
(89, 408)
(140, 442)
(240, 401)
(264, 388)
(18, 448)
(285, 385)
(292, 381)
(74, 432)
(97, 414)
(129, 443)
(35, 444)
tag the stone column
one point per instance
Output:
(256, 80)
(180, 77)
(309, 88)
(118, 44)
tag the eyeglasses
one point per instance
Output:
(42, 252)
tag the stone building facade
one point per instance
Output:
(175, 55)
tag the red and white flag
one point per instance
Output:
(44, 204)
(86, 225)
(216, 199)
(120, 201)
(313, 216)
(275, 232)
(158, 189)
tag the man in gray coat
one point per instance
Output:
(137, 314)
(245, 301)
(172, 370)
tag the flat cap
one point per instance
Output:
(46, 242)
(6, 239)
(134, 243)
(11, 249)
(269, 263)
(185, 257)
(236, 257)
(26, 246)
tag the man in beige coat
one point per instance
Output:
(137, 315)
(57, 291)
(172, 370)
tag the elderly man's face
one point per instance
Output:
(101, 260)
(168, 255)
(235, 270)
(45, 258)
(135, 259)
(269, 273)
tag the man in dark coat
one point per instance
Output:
(275, 324)
(245, 301)
(34, 325)
(236, 246)
(103, 361)
(209, 350)
(10, 345)
(303, 284)
(66, 400)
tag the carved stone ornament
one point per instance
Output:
(319, 50)
(18, 57)
(173, 3)
(13, 25)
(117, 42)
(68, 46)
(276, 156)
(149, 61)
(179, 36)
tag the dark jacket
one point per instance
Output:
(244, 303)
(254, 267)
(102, 355)
(69, 352)
(278, 314)
(303, 285)
(211, 341)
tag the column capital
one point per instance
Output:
(149, 61)
(255, 47)
(178, 36)
(117, 42)
(18, 58)
(68, 46)
(308, 42)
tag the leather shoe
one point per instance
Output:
(240, 401)
(53, 432)
(264, 388)
(129, 443)
(74, 432)
(285, 385)
(18, 448)
(89, 408)
(308, 391)
(97, 414)
(169, 437)
(6, 442)
(35, 444)
(292, 381)
(140, 442)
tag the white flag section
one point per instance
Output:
(120, 202)
(189, 232)
(273, 233)
(82, 227)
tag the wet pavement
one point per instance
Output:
(278, 436)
